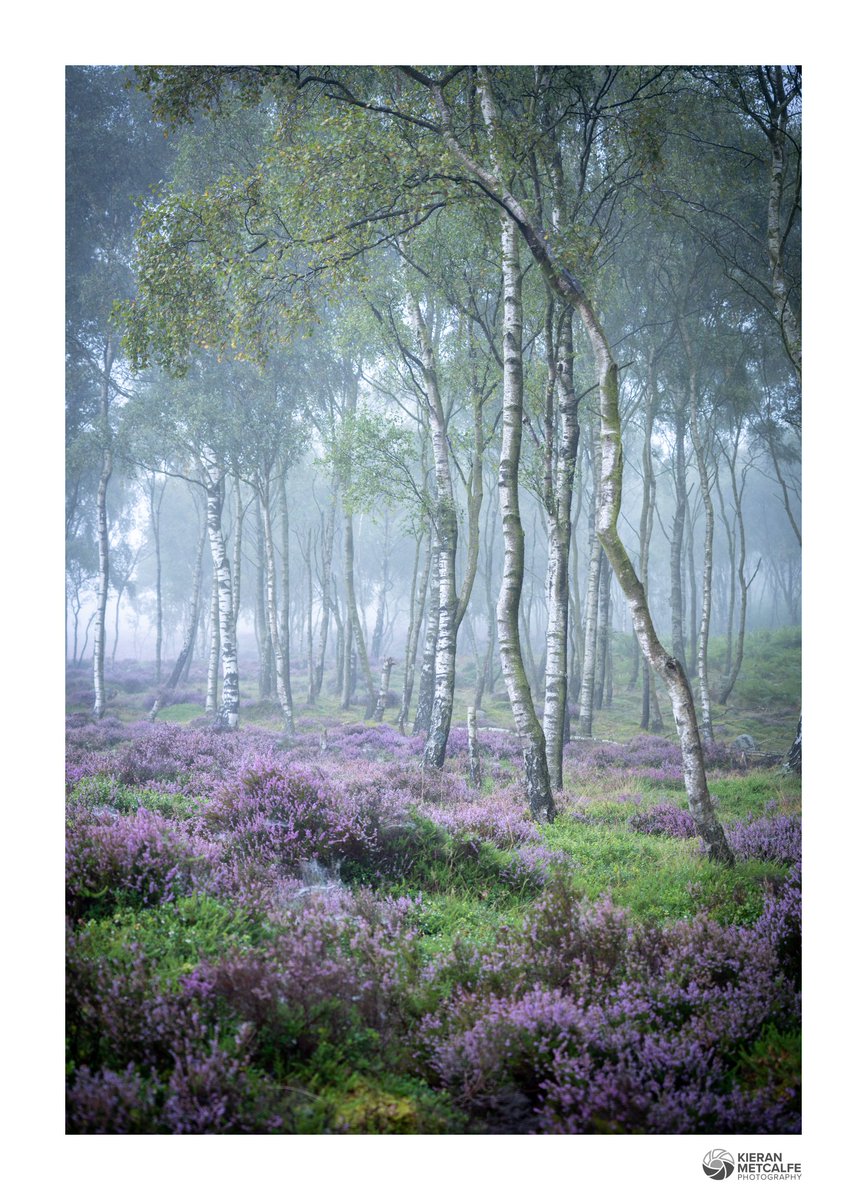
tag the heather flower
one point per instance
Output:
(140, 855)
(774, 838)
(667, 820)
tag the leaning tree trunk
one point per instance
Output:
(102, 537)
(230, 701)
(508, 605)
(611, 483)
(668, 667)
(651, 718)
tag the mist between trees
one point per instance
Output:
(383, 377)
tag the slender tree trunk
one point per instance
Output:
(728, 683)
(156, 501)
(90, 621)
(669, 668)
(591, 616)
(692, 602)
(576, 623)
(354, 624)
(379, 623)
(285, 611)
(732, 574)
(787, 316)
(382, 698)
(677, 638)
(311, 661)
(793, 758)
(416, 616)
(426, 677)
(213, 684)
(230, 702)
(600, 674)
(446, 523)
(102, 536)
(560, 481)
(284, 698)
(563, 281)
(651, 718)
(508, 606)
(707, 571)
(473, 749)
(327, 552)
(262, 627)
(189, 641)
(237, 539)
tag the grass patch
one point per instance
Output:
(659, 879)
(175, 937)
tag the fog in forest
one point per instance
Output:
(433, 622)
(203, 353)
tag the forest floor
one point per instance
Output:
(290, 936)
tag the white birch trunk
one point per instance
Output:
(559, 515)
(446, 524)
(508, 606)
(229, 702)
(213, 684)
(566, 285)
(707, 570)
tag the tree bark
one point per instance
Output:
(707, 570)
(277, 642)
(382, 698)
(229, 703)
(446, 526)
(426, 678)
(102, 536)
(327, 553)
(416, 616)
(677, 638)
(560, 479)
(591, 613)
(565, 284)
(508, 605)
(213, 684)
(473, 749)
